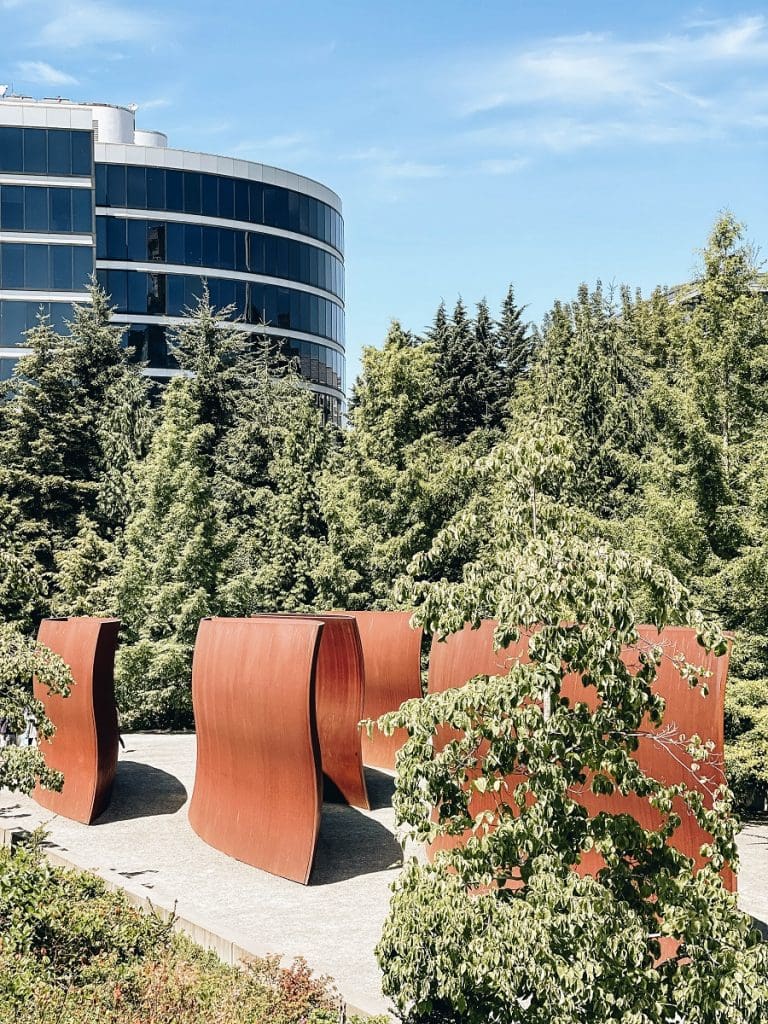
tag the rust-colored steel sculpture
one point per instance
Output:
(470, 653)
(258, 785)
(84, 746)
(392, 659)
(339, 690)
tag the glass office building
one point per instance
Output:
(83, 190)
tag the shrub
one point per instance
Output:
(73, 952)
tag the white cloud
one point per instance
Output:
(705, 81)
(412, 169)
(593, 69)
(502, 166)
(156, 104)
(45, 74)
(90, 22)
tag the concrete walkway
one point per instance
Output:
(144, 843)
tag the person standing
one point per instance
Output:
(28, 737)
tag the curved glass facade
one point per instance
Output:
(195, 245)
(54, 151)
(17, 316)
(317, 363)
(100, 196)
(160, 294)
(47, 210)
(45, 268)
(213, 195)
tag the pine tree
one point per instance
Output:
(514, 342)
(474, 379)
(589, 376)
(491, 391)
(390, 487)
(61, 455)
(171, 564)
(266, 475)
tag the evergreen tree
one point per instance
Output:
(267, 469)
(63, 450)
(514, 342)
(459, 373)
(491, 398)
(226, 512)
(591, 378)
(389, 488)
(171, 564)
(217, 356)
(478, 365)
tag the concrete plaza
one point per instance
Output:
(144, 844)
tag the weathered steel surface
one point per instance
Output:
(340, 683)
(469, 653)
(258, 785)
(392, 659)
(84, 746)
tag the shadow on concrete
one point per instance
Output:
(14, 811)
(761, 926)
(141, 791)
(352, 844)
(381, 788)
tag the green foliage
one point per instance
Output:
(225, 514)
(173, 549)
(72, 952)
(571, 951)
(478, 365)
(267, 475)
(589, 375)
(72, 420)
(20, 658)
(389, 488)
(746, 725)
(461, 943)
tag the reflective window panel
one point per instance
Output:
(133, 291)
(45, 267)
(49, 210)
(16, 317)
(149, 345)
(210, 195)
(218, 248)
(53, 151)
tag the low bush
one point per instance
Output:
(73, 952)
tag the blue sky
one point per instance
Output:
(473, 143)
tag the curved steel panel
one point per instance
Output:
(469, 653)
(392, 660)
(85, 744)
(258, 787)
(339, 686)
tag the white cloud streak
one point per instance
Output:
(707, 81)
(40, 72)
(593, 69)
(91, 23)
